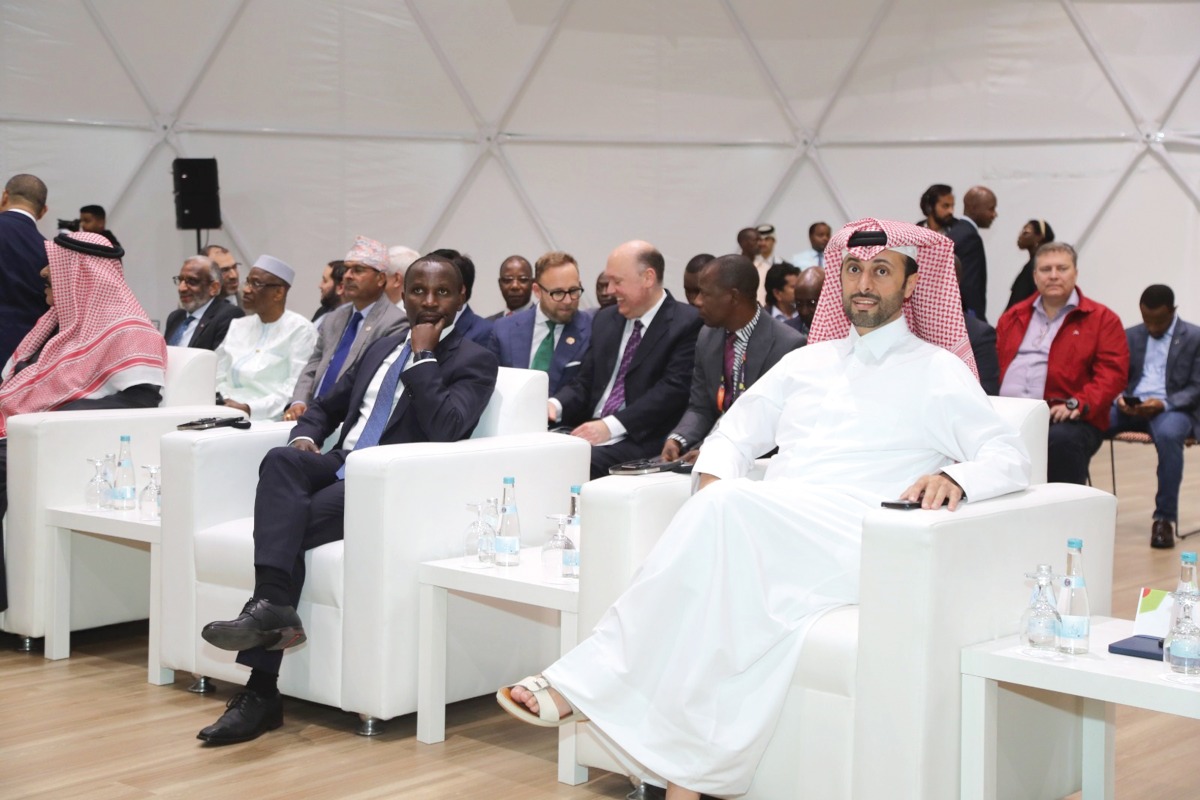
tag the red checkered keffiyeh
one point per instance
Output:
(933, 313)
(95, 329)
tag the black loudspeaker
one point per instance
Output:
(197, 203)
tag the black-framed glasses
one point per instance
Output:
(195, 283)
(558, 295)
(256, 284)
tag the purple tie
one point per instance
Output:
(617, 398)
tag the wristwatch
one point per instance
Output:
(1072, 404)
(423, 355)
(683, 443)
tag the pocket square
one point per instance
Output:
(572, 364)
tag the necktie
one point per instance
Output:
(617, 398)
(382, 409)
(545, 351)
(339, 355)
(177, 336)
(730, 384)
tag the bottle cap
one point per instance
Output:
(125, 437)
(509, 481)
(1187, 557)
(574, 490)
(1075, 544)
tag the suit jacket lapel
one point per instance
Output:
(445, 352)
(657, 330)
(522, 340)
(756, 349)
(369, 322)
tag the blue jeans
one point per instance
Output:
(1169, 430)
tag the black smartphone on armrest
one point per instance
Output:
(1130, 400)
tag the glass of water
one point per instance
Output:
(95, 495)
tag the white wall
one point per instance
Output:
(501, 127)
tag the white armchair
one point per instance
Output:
(47, 467)
(873, 710)
(404, 504)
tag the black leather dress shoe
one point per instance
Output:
(261, 624)
(247, 716)
(1162, 535)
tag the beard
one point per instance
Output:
(883, 312)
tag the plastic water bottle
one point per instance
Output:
(124, 486)
(508, 537)
(571, 553)
(1181, 648)
(1075, 626)
(1041, 619)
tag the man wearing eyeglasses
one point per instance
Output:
(516, 286)
(263, 354)
(230, 278)
(201, 320)
(551, 335)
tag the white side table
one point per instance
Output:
(63, 521)
(520, 584)
(1100, 678)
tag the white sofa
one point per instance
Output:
(874, 706)
(404, 504)
(47, 466)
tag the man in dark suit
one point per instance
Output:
(983, 343)
(740, 343)
(366, 315)
(201, 320)
(1164, 378)
(516, 286)
(22, 256)
(806, 294)
(230, 277)
(439, 384)
(471, 325)
(634, 382)
(979, 212)
(552, 335)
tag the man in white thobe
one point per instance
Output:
(687, 672)
(264, 353)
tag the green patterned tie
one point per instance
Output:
(545, 351)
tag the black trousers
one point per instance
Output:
(1071, 447)
(610, 455)
(140, 396)
(300, 504)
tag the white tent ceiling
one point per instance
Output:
(498, 126)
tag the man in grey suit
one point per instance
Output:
(349, 328)
(739, 343)
(1162, 398)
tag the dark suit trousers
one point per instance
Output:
(625, 450)
(1170, 431)
(299, 505)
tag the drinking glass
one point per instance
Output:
(150, 500)
(479, 542)
(95, 496)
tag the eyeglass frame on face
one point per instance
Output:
(195, 283)
(558, 295)
(258, 286)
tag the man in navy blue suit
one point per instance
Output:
(430, 385)
(1162, 398)
(471, 325)
(634, 383)
(22, 256)
(551, 335)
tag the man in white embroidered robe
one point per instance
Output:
(687, 671)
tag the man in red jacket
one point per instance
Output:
(1071, 351)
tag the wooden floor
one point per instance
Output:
(91, 727)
